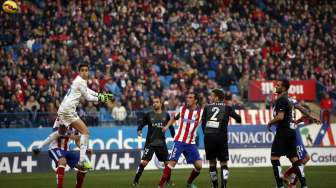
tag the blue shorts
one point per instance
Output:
(189, 151)
(300, 148)
(72, 157)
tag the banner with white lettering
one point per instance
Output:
(25, 162)
(114, 138)
(300, 89)
(258, 157)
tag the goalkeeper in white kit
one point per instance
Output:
(68, 116)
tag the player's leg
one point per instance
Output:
(80, 178)
(173, 158)
(211, 155)
(192, 156)
(290, 175)
(213, 173)
(275, 160)
(139, 171)
(293, 156)
(294, 179)
(167, 172)
(61, 164)
(72, 158)
(223, 158)
(58, 157)
(224, 173)
(162, 155)
(299, 170)
(147, 156)
(276, 152)
(60, 171)
(84, 141)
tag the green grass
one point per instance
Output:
(317, 177)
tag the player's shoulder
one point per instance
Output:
(79, 80)
(165, 112)
(283, 99)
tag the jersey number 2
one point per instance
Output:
(214, 116)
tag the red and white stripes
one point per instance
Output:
(188, 123)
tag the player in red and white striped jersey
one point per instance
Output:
(188, 119)
(59, 151)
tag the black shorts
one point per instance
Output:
(216, 147)
(284, 143)
(161, 153)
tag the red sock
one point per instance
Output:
(165, 175)
(168, 177)
(80, 179)
(60, 176)
(193, 175)
(289, 171)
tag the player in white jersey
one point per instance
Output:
(59, 151)
(67, 111)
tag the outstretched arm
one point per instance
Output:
(306, 112)
(49, 139)
(234, 115)
(53, 136)
(88, 94)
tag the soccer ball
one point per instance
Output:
(10, 7)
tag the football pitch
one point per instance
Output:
(317, 177)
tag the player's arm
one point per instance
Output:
(204, 118)
(171, 128)
(280, 109)
(279, 117)
(171, 122)
(143, 123)
(53, 136)
(91, 95)
(234, 115)
(88, 94)
(306, 112)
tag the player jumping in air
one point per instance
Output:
(67, 111)
(189, 118)
(155, 140)
(285, 138)
(60, 153)
(215, 120)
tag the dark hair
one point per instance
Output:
(219, 93)
(196, 96)
(156, 97)
(82, 65)
(285, 83)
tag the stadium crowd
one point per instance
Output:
(141, 48)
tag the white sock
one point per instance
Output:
(84, 142)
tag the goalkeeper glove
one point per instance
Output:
(103, 97)
(110, 96)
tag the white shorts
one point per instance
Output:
(67, 119)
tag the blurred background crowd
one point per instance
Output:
(140, 48)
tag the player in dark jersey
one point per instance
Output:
(284, 143)
(155, 140)
(215, 120)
